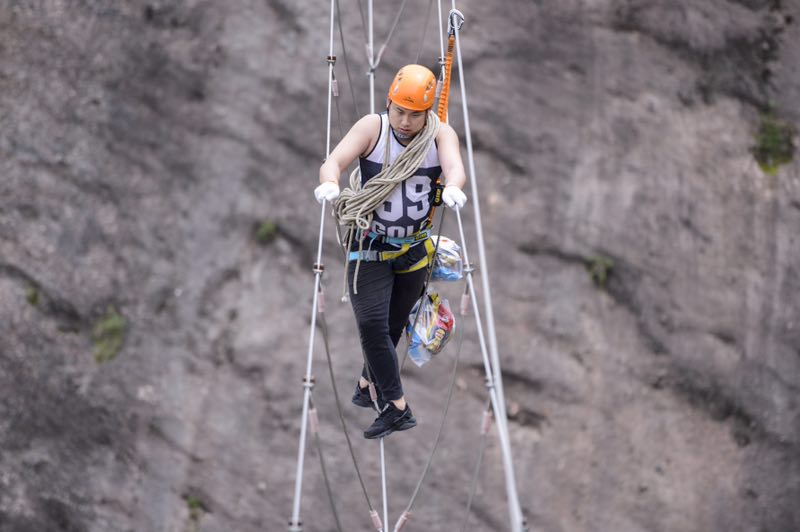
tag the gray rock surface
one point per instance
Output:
(144, 143)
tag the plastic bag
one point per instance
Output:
(433, 328)
(447, 265)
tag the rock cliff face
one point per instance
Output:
(157, 230)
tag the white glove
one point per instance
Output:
(327, 191)
(452, 196)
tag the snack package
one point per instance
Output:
(447, 265)
(432, 330)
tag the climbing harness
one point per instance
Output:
(368, 255)
(356, 211)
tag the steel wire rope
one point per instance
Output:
(371, 74)
(382, 49)
(314, 422)
(502, 421)
(424, 32)
(363, 21)
(355, 183)
(295, 524)
(424, 287)
(476, 470)
(340, 411)
(407, 513)
(441, 31)
(346, 62)
(442, 117)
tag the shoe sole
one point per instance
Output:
(408, 424)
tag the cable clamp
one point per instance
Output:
(331, 59)
(295, 526)
(318, 267)
(309, 383)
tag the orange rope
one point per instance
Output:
(445, 94)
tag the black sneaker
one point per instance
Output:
(390, 419)
(361, 398)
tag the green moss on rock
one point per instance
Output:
(266, 232)
(32, 295)
(774, 143)
(599, 268)
(108, 334)
(196, 509)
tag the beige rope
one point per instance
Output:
(355, 206)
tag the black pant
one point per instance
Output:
(381, 307)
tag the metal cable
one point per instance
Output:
(371, 58)
(441, 31)
(474, 483)
(424, 32)
(294, 523)
(438, 433)
(346, 62)
(377, 61)
(318, 442)
(502, 419)
(324, 325)
(363, 20)
(424, 286)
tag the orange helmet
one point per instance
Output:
(414, 88)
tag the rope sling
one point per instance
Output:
(355, 206)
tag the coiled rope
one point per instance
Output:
(355, 206)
